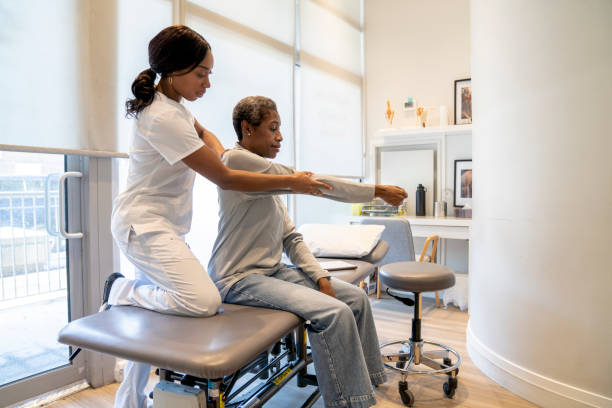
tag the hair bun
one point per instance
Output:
(143, 89)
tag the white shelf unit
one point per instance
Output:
(415, 137)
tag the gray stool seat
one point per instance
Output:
(417, 276)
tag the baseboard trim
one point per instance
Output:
(534, 387)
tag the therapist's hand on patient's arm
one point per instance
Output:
(392, 194)
(326, 287)
(304, 183)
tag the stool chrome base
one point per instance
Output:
(411, 354)
(419, 277)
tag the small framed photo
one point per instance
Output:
(463, 101)
(463, 183)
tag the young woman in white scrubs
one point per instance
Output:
(152, 216)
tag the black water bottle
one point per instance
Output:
(420, 200)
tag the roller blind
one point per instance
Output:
(132, 51)
(244, 65)
(340, 42)
(58, 76)
(349, 10)
(41, 76)
(330, 83)
(330, 79)
(252, 45)
(330, 123)
(272, 18)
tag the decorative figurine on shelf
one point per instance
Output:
(421, 116)
(390, 113)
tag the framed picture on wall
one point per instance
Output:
(463, 183)
(463, 101)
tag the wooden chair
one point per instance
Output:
(432, 257)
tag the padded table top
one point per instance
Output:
(353, 276)
(206, 347)
(377, 254)
(365, 265)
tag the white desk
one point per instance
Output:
(444, 227)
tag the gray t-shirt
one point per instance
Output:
(255, 228)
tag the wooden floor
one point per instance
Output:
(445, 326)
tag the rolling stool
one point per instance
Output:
(418, 277)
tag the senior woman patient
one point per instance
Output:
(254, 230)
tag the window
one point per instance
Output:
(330, 100)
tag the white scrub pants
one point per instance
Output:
(169, 279)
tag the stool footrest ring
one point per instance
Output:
(426, 358)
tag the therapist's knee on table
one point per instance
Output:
(204, 306)
(207, 309)
(198, 298)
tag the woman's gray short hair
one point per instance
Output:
(252, 109)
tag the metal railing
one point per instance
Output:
(32, 253)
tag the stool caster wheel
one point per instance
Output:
(405, 394)
(400, 364)
(447, 362)
(449, 387)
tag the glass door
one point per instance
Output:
(38, 283)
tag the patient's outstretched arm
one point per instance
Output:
(343, 190)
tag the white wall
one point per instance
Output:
(417, 48)
(413, 48)
(540, 284)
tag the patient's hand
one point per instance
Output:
(392, 194)
(326, 287)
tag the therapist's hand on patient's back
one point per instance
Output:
(304, 183)
(394, 195)
(326, 287)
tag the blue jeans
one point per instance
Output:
(342, 334)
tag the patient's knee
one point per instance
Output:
(353, 295)
(343, 312)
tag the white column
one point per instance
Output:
(541, 278)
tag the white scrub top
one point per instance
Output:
(158, 197)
